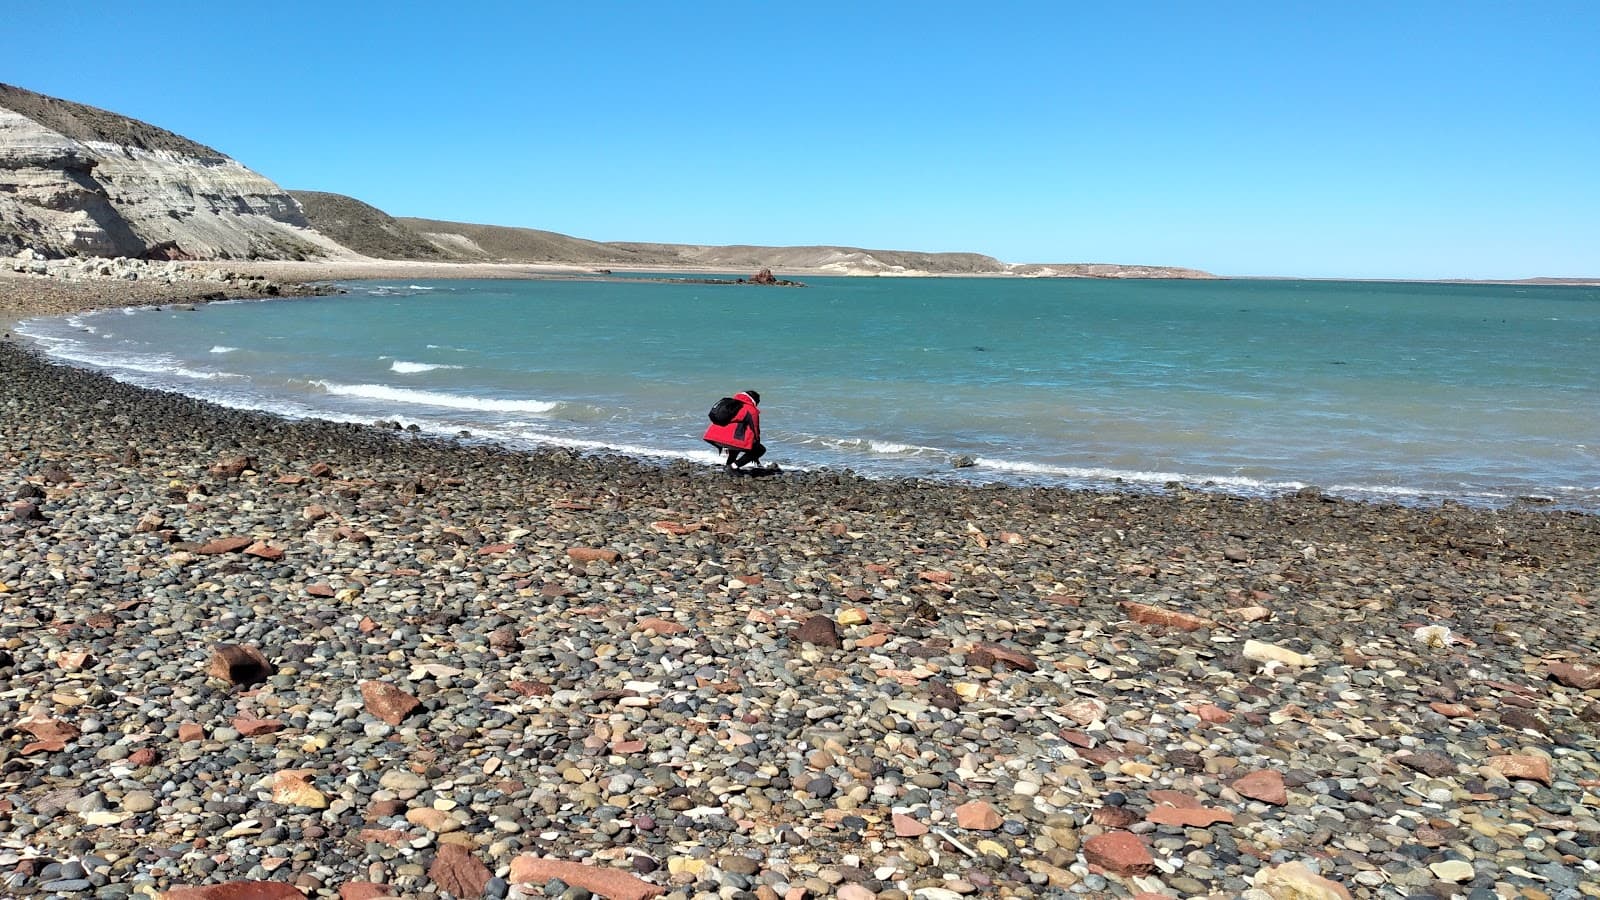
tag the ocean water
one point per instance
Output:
(1480, 394)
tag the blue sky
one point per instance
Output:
(1422, 139)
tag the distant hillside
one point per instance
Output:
(366, 229)
(501, 243)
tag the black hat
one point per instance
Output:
(754, 396)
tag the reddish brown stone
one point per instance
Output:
(364, 890)
(1119, 852)
(382, 809)
(1216, 715)
(238, 664)
(1452, 710)
(625, 748)
(818, 630)
(321, 470)
(1174, 798)
(935, 577)
(1532, 768)
(1166, 618)
(1201, 817)
(353, 535)
(1113, 816)
(388, 702)
(977, 815)
(142, 757)
(1575, 675)
(250, 726)
(233, 466)
(316, 512)
(264, 550)
(237, 890)
(224, 545)
(1264, 785)
(190, 732)
(492, 549)
(457, 871)
(51, 730)
(320, 590)
(987, 655)
(612, 884)
(676, 528)
(593, 554)
(661, 626)
(905, 826)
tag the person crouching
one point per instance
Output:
(740, 438)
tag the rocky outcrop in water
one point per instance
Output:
(79, 181)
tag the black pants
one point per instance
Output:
(738, 459)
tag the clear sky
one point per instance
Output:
(1456, 138)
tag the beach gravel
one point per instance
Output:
(476, 672)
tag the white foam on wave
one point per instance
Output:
(451, 349)
(393, 394)
(411, 368)
(418, 287)
(1100, 473)
(221, 349)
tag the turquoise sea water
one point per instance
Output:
(1477, 393)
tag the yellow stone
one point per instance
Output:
(966, 690)
(852, 616)
(347, 595)
(293, 790)
(679, 865)
(1260, 651)
(314, 743)
(4, 588)
(1138, 769)
(993, 848)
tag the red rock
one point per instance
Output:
(189, 732)
(1201, 817)
(238, 664)
(142, 757)
(905, 826)
(364, 890)
(264, 550)
(291, 479)
(935, 577)
(987, 655)
(457, 871)
(353, 535)
(367, 625)
(237, 890)
(383, 809)
(233, 466)
(1174, 798)
(321, 470)
(1167, 618)
(492, 549)
(676, 528)
(389, 837)
(1264, 785)
(593, 554)
(1120, 852)
(50, 729)
(74, 660)
(1216, 715)
(661, 626)
(977, 815)
(872, 640)
(224, 545)
(1532, 768)
(818, 630)
(612, 884)
(315, 512)
(1113, 816)
(388, 702)
(1452, 710)
(1575, 675)
(250, 726)
(320, 590)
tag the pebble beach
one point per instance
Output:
(242, 656)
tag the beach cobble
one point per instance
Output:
(352, 662)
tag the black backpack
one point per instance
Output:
(723, 411)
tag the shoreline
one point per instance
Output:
(815, 683)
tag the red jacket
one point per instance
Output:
(743, 430)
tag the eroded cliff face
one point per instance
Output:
(173, 199)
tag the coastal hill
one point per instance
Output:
(81, 181)
(77, 181)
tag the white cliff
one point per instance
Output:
(117, 187)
